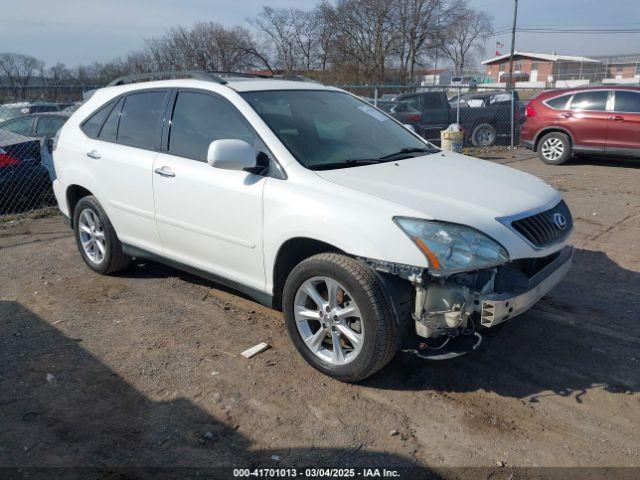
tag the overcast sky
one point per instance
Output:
(82, 31)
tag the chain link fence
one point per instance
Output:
(29, 119)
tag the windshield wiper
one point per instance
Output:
(405, 153)
(347, 163)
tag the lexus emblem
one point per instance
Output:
(560, 221)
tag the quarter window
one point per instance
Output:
(92, 125)
(559, 103)
(140, 119)
(627, 101)
(596, 100)
(198, 119)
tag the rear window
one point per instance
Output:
(140, 119)
(627, 101)
(21, 126)
(558, 103)
(596, 100)
(48, 126)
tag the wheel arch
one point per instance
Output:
(291, 253)
(552, 129)
(73, 195)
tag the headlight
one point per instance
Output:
(452, 248)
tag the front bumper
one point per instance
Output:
(499, 307)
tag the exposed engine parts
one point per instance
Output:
(460, 304)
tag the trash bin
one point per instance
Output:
(452, 138)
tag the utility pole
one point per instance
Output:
(435, 62)
(511, 83)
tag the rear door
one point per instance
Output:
(122, 158)
(209, 218)
(587, 119)
(624, 122)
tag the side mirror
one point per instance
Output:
(231, 154)
(408, 126)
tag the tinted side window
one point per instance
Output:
(140, 118)
(110, 127)
(199, 119)
(627, 101)
(590, 100)
(413, 101)
(48, 126)
(431, 101)
(92, 125)
(559, 103)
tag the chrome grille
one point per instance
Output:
(545, 228)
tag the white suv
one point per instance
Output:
(310, 200)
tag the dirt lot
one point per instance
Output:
(143, 368)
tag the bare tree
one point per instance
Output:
(464, 35)
(277, 25)
(19, 70)
(364, 35)
(206, 46)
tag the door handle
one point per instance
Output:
(93, 154)
(566, 115)
(617, 118)
(165, 172)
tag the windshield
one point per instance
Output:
(327, 129)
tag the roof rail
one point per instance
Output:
(142, 77)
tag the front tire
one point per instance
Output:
(96, 238)
(338, 318)
(554, 148)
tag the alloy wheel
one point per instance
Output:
(552, 149)
(92, 236)
(328, 320)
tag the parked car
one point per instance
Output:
(483, 126)
(40, 125)
(23, 178)
(11, 110)
(589, 120)
(72, 108)
(309, 200)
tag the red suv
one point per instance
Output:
(597, 120)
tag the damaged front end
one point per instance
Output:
(451, 314)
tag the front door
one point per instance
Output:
(623, 131)
(588, 118)
(207, 217)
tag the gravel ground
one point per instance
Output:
(143, 368)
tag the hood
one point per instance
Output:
(450, 187)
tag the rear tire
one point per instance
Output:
(554, 148)
(367, 335)
(484, 135)
(96, 238)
